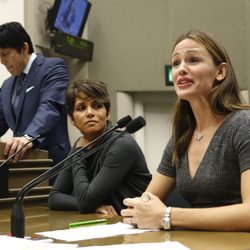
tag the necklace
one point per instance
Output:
(198, 136)
(213, 124)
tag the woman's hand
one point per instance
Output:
(106, 209)
(146, 211)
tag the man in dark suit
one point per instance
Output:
(32, 99)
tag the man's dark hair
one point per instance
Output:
(13, 35)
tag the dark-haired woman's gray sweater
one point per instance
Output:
(107, 177)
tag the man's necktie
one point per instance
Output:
(17, 92)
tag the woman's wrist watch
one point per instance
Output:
(166, 222)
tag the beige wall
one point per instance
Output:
(133, 39)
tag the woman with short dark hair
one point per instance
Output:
(100, 182)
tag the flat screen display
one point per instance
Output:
(70, 16)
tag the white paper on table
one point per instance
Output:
(91, 232)
(12, 243)
(170, 245)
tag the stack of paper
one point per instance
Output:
(91, 232)
(110, 230)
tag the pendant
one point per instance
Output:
(198, 137)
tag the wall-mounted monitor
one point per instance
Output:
(69, 16)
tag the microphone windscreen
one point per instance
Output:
(43, 133)
(135, 125)
(124, 121)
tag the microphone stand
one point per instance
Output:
(17, 214)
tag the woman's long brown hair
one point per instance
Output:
(224, 96)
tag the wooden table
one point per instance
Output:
(40, 218)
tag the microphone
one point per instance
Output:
(41, 135)
(17, 215)
(135, 125)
